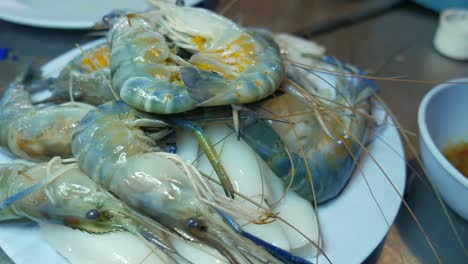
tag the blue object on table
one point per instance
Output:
(4, 53)
(439, 5)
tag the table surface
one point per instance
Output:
(395, 42)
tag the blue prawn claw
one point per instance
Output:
(277, 252)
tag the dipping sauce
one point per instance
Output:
(457, 154)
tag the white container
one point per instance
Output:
(443, 119)
(451, 38)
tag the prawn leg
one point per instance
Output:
(209, 150)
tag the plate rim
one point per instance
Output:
(11, 15)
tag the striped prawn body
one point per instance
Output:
(37, 133)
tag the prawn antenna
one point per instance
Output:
(362, 76)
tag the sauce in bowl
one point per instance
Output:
(457, 154)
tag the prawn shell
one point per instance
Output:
(329, 163)
(228, 64)
(46, 133)
(35, 133)
(160, 185)
(86, 78)
(318, 160)
(256, 82)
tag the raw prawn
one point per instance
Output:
(57, 193)
(226, 64)
(37, 133)
(86, 78)
(127, 124)
(159, 184)
(327, 119)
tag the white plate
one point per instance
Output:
(352, 224)
(66, 14)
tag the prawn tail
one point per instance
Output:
(279, 253)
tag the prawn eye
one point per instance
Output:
(193, 222)
(92, 214)
(196, 224)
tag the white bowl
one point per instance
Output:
(443, 119)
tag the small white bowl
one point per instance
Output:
(443, 119)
